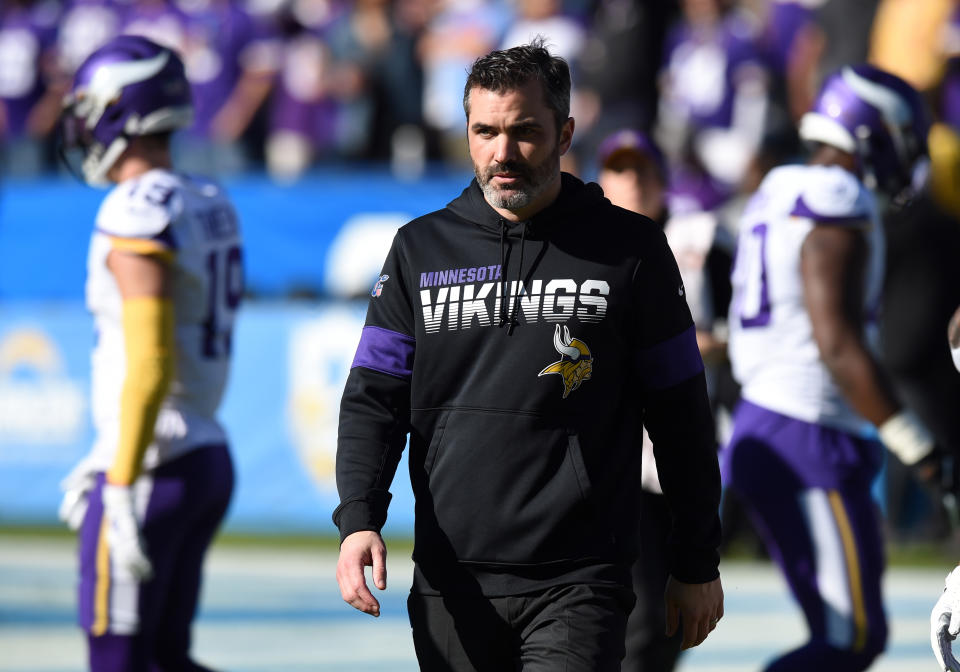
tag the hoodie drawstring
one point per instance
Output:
(503, 294)
(516, 297)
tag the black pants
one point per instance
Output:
(577, 628)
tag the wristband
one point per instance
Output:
(904, 436)
(955, 353)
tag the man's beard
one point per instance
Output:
(533, 180)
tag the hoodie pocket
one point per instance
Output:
(509, 488)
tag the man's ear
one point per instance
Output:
(566, 135)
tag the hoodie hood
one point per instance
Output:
(575, 195)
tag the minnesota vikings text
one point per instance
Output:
(455, 276)
(461, 306)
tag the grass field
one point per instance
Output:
(272, 605)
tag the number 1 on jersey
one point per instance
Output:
(225, 290)
(751, 303)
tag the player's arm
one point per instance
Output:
(141, 270)
(148, 335)
(374, 422)
(833, 259)
(680, 423)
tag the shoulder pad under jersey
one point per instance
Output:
(141, 208)
(831, 195)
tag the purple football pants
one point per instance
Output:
(807, 488)
(145, 627)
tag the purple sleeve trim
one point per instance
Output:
(671, 361)
(386, 351)
(801, 209)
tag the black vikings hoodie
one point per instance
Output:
(524, 413)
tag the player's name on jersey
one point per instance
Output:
(218, 222)
(557, 300)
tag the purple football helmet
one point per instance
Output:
(875, 116)
(130, 86)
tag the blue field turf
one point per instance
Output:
(279, 609)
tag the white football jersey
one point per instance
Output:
(772, 349)
(194, 219)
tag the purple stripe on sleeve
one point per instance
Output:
(801, 209)
(671, 361)
(386, 351)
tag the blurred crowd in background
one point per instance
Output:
(285, 85)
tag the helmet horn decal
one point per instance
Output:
(891, 106)
(563, 344)
(114, 77)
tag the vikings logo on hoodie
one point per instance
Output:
(576, 362)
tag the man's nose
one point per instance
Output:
(505, 149)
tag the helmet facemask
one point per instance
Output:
(129, 87)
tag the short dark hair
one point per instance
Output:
(509, 69)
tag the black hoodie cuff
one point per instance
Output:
(694, 566)
(368, 512)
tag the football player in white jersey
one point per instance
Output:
(806, 287)
(164, 280)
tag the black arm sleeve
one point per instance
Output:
(677, 414)
(681, 429)
(375, 408)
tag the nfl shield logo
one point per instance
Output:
(378, 288)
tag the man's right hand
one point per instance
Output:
(359, 550)
(699, 606)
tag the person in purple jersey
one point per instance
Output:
(792, 41)
(30, 84)
(304, 107)
(807, 282)
(163, 285)
(713, 98)
(231, 58)
(950, 84)
(85, 26)
(157, 20)
(632, 175)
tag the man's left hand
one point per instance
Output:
(698, 605)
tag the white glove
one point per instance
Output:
(945, 623)
(123, 533)
(76, 492)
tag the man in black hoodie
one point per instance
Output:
(520, 337)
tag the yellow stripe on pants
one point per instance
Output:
(853, 570)
(101, 594)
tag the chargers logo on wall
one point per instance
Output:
(320, 354)
(39, 403)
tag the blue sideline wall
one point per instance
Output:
(291, 358)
